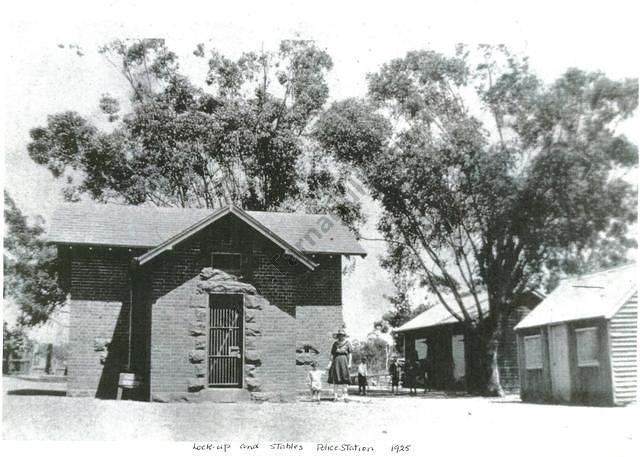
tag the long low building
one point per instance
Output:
(580, 345)
(437, 340)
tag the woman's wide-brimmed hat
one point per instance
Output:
(340, 332)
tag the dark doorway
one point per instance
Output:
(225, 340)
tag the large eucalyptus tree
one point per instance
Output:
(490, 180)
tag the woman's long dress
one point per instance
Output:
(339, 370)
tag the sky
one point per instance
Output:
(41, 78)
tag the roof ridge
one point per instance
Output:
(288, 213)
(597, 272)
(178, 208)
(95, 204)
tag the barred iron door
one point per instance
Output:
(225, 340)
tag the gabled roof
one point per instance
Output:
(119, 225)
(216, 215)
(438, 314)
(150, 227)
(293, 227)
(596, 295)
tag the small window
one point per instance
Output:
(533, 352)
(420, 346)
(229, 262)
(587, 344)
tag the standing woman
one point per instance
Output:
(340, 364)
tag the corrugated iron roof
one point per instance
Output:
(594, 295)
(148, 227)
(438, 314)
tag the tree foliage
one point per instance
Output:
(240, 137)
(490, 180)
(374, 352)
(402, 311)
(15, 345)
(30, 267)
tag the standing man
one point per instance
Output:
(394, 372)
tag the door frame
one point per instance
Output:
(240, 297)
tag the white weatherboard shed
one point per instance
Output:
(580, 345)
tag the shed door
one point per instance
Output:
(457, 351)
(225, 341)
(559, 362)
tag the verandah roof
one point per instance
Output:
(439, 315)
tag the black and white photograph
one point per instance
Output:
(320, 228)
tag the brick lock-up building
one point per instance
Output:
(192, 304)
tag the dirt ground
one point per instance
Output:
(40, 411)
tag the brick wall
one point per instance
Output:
(277, 347)
(99, 321)
(315, 326)
(323, 286)
(173, 282)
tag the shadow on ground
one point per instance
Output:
(38, 392)
(34, 386)
(40, 378)
(382, 393)
(433, 394)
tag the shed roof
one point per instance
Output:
(438, 314)
(595, 295)
(149, 227)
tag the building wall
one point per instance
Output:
(535, 384)
(314, 332)
(587, 384)
(591, 385)
(141, 332)
(323, 286)
(98, 333)
(173, 281)
(277, 350)
(623, 338)
(318, 315)
(439, 356)
(508, 350)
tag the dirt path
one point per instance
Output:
(426, 422)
